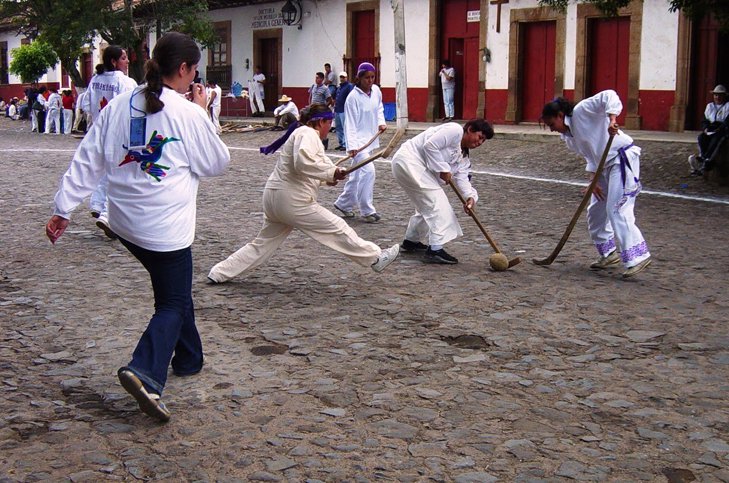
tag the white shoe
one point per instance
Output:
(387, 256)
(103, 223)
(636, 269)
(607, 261)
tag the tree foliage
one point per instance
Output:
(70, 27)
(32, 61)
(694, 9)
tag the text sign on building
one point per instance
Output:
(267, 18)
(473, 16)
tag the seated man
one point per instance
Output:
(715, 130)
(285, 113)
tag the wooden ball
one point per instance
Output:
(499, 262)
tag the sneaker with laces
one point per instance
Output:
(439, 256)
(373, 218)
(149, 403)
(103, 223)
(636, 269)
(387, 256)
(411, 246)
(607, 261)
(344, 213)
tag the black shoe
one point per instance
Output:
(439, 256)
(411, 246)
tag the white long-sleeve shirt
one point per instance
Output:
(437, 150)
(156, 208)
(364, 114)
(302, 165)
(289, 107)
(716, 112)
(588, 133)
(54, 102)
(103, 88)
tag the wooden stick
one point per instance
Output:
(360, 149)
(382, 153)
(583, 204)
(472, 214)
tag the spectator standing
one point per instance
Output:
(153, 205)
(216, 94)
(330, 80)
(110, 80)
(448, 83)
(345, 87)
(285, 114)
(68, 103)
(255, 92)
(53, 116)
(80, 114)
(365, 116)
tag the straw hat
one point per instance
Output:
(284, 98)
(720, 89)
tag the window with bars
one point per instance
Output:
(219, 67)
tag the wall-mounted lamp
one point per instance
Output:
(291, 13)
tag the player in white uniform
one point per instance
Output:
(290, 201)
(585, 129)
(423, 166)
(365, 116)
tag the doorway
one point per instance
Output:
(709, 67)
(267, 55)
(537, 54)
(608, 50)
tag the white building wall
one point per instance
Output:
(659, 46)
(322, 38)
(497, 71)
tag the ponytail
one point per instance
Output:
(557, 105)
(154, 87)
(171, 51)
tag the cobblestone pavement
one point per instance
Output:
(320, 370)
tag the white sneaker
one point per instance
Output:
(387, 256)
(607, 261)
(103, 223)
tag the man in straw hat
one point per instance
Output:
(714, 132)
(285, 113)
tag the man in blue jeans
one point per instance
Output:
(345, 87)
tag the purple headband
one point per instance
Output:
(365, 67)
(322, 116)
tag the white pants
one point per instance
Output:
(53, 117)
(256, 101)
(33, 120)
(215, 117)
(434, 221)
(98, 201)
(613, 219)
(358, 191)
(283, 211)
(67, 120)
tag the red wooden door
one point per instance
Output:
(269, 61)
(470, 79)
(363, 49)
(457, 58)
(608, 53)
(537, 66)
(709, 67)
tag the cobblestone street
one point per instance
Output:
(318, 369)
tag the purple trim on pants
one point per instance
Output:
(605, 249)
(634, 252)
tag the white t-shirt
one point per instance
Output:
(289, 107)
(152, 192)
(215, 102)
(258, 78)
(451, 72)
(103, 88)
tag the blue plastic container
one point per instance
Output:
(390, 111)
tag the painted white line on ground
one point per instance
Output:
(664, 194)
